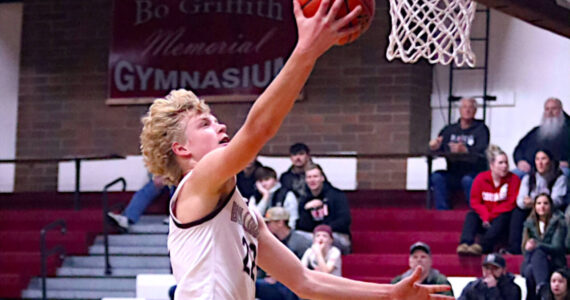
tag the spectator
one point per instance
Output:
(558, 289)
(546, 177)
(493, 197)
(273, 194)
(552, 135)
(277, 219)
(246, 180)
(496, 282)
(151, 191)
(323, 256)
(468, 135)
(420, 255)
(324, 204)
(544, 234)
(294, 178)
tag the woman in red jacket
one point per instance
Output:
(493, 197)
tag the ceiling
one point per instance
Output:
(547, 14)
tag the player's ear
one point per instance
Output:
(180, 150)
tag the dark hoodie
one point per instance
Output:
(506, 289)
(336, 204)
(557, 145)
(475, 138)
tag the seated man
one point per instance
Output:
(151, 191)
(323, 256)
(294, 178)
(268, 288)
(277, 220)
(496, 283)
(420, 255)
(468, 135)
(272, 194)
(324, 204)
(552, 135)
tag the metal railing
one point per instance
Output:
(106, 209)
(45, 253)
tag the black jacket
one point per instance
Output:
(506, 289)
(294, 182)
(531, 142)
(338, 217)
(475, 138)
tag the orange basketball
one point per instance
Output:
(362, 21)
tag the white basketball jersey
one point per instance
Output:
(215, 257)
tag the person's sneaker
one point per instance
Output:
(475, 249)
(120, 221)
(462, 249)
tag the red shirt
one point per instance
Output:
(488, 200)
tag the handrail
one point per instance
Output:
(77, 159)
(58, 249)
(106, 221)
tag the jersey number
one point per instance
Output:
(250, 253)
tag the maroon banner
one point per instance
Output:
(228, 49)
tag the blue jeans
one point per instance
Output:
(443, 181)
(267, 291)
(142, 199)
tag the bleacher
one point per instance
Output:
(385, 224)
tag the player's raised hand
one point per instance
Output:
(409, 288)
(321, 31)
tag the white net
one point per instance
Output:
(435, 29)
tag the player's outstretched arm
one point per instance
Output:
(316, 35)
(282, 264)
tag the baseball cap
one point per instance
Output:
(324, 228)
(494, 259)
(420, 246)
(276, 213)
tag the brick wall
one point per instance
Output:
(354, 101)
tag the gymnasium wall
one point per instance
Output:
(355, 100)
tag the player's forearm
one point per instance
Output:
(325, 286)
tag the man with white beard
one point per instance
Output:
(552, 134)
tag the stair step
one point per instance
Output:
(11, 284)
(129, 250)
(75, 242)
(26, 263)
(390, 265)
(92, 284)
(407, 219)
(379, 242)
(115, 272)
(160, 262)
(77, 294)
(134, 240)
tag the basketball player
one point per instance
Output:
(215, 241)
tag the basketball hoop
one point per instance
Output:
(437, 30)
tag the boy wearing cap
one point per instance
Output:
(272, 194)
(277, 220)
(294, 178)
(496, 282)
(323, 256)
(420, 255)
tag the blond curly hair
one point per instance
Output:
(163, 125)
